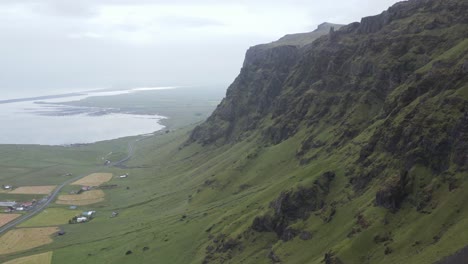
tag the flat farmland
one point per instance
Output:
(94, 179)
(47, 189)
(6, 218)
(89, 197)
(51, 217)
(43, 258)
(18, 240)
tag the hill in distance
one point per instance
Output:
(303, 39)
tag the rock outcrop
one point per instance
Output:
(392, 193)
(293, 205)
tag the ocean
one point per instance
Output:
(44, 121)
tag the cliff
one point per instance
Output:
(261, 80)
(385, 99)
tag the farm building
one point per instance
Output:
(89, 214)
(27, 204)
(81, 219)
(7, 204)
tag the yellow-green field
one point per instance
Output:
(18, 240)
(51, 217)
(89, 197)
(34, 189)
(43, 258)
(6, 218)
(94, 179)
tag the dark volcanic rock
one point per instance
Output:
(293, 205)
(330, 258)
(392, 193)
(229, 245)
(274, 258)
(458, 257)
(289, 234)
(373, 24)
(305, 235)
(253, 93)
(464, 67)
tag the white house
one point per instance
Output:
(89, 213)
(81, 219)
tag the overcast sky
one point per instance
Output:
(60, 45)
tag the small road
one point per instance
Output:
(37, 209)
(40, 207)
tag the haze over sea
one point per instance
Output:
(46, 121)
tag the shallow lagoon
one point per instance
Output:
(49, 123)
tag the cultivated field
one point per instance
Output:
(6, 218)
(89, 197)
(51, 217)
(43, 258)
(34, 189)
(25, 238)
(94, 179)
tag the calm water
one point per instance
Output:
(30, 122)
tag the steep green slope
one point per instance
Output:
(382, 106)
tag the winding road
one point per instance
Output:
(53, 195)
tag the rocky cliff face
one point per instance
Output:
(251, 96)
(388, 95)
(352, 78)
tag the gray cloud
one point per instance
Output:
(65, 9)
(188, 22)
(62, 44)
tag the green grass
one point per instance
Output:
(167, 182)
(455, 53)
(51, 217)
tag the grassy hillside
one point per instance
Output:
(181, 201)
